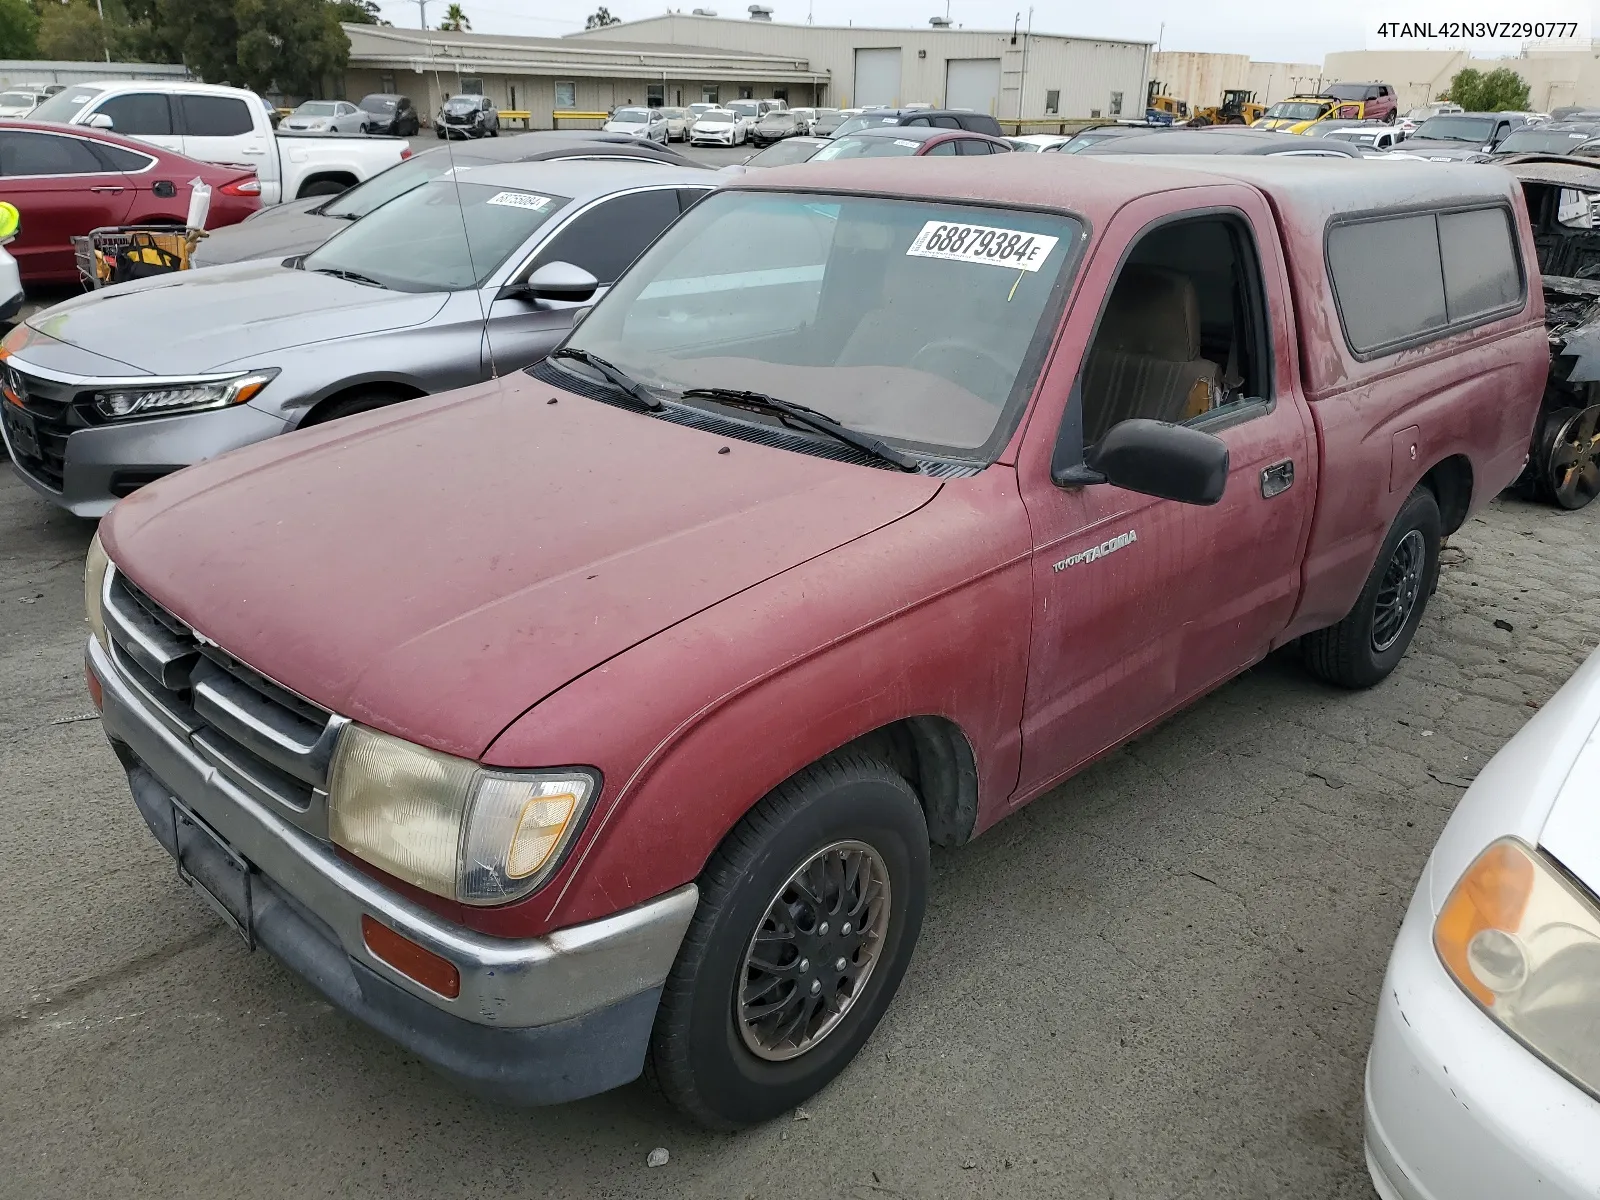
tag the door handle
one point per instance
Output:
(115, 191)
(1277, 479)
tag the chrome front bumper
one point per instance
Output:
(505, 983)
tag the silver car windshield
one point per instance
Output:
(315, 108)
(428, 240)
(386, 185)
(866, 122)
(631, 116)
(920, 322)
(850, 146)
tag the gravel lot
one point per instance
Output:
(1157, 982)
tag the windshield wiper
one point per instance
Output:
(615, 376)
(809, 417)
(352, 276)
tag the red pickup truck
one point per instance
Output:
(609, 710)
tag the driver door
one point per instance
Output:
(603, 239)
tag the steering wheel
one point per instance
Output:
(965, 352)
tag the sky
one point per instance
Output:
(1266, 32)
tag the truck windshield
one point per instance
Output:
(1450, 129)
(922, 322)
(1297, 112)
(1541, 141)
(63, 106)
(429, 240)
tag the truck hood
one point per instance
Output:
(436, 569)
(196, 321)
(279, 232)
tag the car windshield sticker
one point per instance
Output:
(1015, 248)
(520, 200)
(904, 142)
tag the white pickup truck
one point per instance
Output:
(225, 125)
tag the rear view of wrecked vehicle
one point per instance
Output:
(1564, 460)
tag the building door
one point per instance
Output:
(877, 78)
(972, 83)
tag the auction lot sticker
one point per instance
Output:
(1013, 248)
(519, 200)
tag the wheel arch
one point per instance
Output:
(345, 179)
(1450, 480)
(936, 759)
(399, 389)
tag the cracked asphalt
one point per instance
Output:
(1156, 983)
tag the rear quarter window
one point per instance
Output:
(1411, 278)
(215, 116)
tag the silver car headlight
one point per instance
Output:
(159, 399)
(448, 825)
(1524, 942)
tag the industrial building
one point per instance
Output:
(543, 76)
(1010, 73)
(1200, 79)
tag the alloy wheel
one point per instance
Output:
(1398, 593)
(813, 951)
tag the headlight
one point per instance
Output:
(1524, 943)
(159, 400)
(95, 566)
(447, 825)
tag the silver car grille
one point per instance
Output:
(273, 745)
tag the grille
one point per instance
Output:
(54, 416)
(272, 744)
(748, 431)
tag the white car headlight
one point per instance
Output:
(1524, 942)
(448, 825)
(160, 399)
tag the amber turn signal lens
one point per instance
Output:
(411, 960)
(95, 694)
(1492, 895)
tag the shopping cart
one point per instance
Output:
(116, 254)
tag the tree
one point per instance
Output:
(72, 32)
(359, 12)
(1501, 90)
(293, 44)
(19, 27)
(600, 18)
(455, 20)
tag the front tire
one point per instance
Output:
(809, 913)
(1363, 648)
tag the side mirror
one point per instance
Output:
(554, 281)
(99, 121)
(1154, 458)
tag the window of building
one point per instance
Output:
(386, 82)
(1406, 279)
(780, 94)
(655, 95)
(1094, 112)
(1116, 104)
(710, 93)
(471, 85)
(1177, 341)
(511, 96)
(747, 93)
(1052, 100)
(566, 94)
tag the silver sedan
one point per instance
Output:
(466, 277)
(326, 116)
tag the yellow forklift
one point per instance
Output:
(1162, 109)
(1238, 107)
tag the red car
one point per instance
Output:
(67, 180)
(609, 709)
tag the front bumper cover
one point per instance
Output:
(537, 1020)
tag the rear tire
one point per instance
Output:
(1565, 464)
(1363, 648)
(746, 1031)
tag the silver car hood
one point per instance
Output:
(209, 319)
(279, 232)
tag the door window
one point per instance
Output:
(948, 147)
(609, 236)
(139, 114)
(972, 146)
(1177, 341)
(215, 116)
(45, 154)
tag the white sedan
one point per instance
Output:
(719, 127)
(647, 123)
(1484, 1073)
(326, 116)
